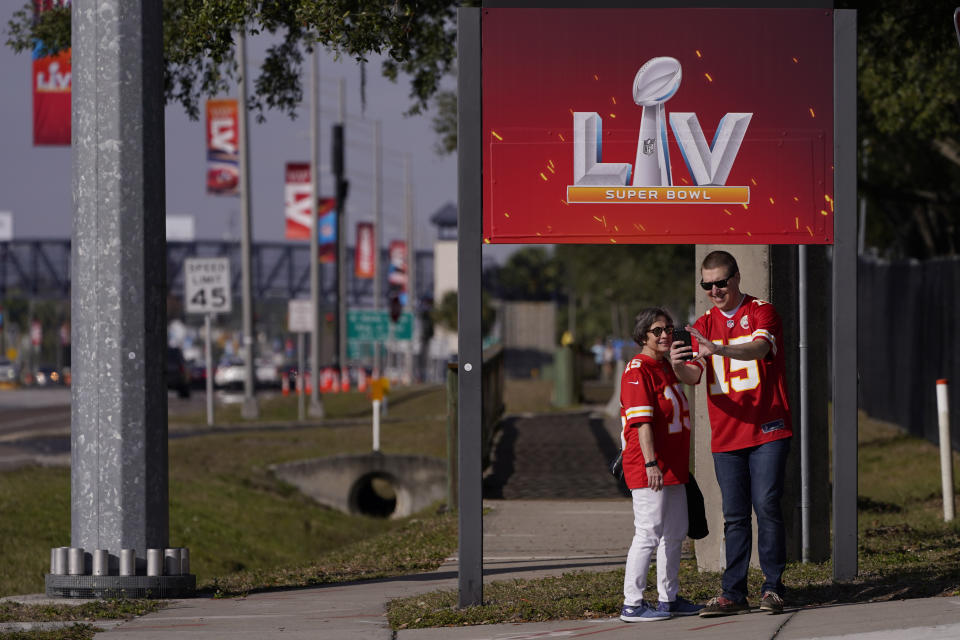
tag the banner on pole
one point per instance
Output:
(223, 161)
(363, 256)
(397, 272)
(296, 200)
(52, 82)
(327, 230)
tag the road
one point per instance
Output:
(35, 423)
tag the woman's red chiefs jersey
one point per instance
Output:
(650, 393)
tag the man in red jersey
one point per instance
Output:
(739, 343)
(656, 455)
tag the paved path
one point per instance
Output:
(550, 456)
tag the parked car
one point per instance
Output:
(178, 377)
(231, 374)
(266, 374)
(198, 374)
(9, 372)
(47, 375)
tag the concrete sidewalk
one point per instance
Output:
(524, 539)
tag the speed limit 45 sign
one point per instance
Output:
(207, 285)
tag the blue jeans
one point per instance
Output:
(753, 477)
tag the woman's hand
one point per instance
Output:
(655, 478)
(680, 354)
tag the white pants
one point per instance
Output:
(660, 523)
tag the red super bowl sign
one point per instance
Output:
(658, 126)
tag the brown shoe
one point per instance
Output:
(721, 606)
(771, 602)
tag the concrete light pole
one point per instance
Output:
(250, 410)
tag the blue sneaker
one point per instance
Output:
(680, 607)
(642, 613)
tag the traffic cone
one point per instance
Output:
(345, 380)
(306, 378)
(334, 381)
(285, 383)
(326, 384)
(362, 380)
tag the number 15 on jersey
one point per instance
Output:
(206, 285)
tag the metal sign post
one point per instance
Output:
(206, 290)
(300, 319)
(207, 359)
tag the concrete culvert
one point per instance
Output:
(373, 484)
(374, 494)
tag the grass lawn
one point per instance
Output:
(244, 528)
(248, 531)
(905, 551)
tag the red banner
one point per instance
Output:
(327, 231)
(296, 199)
(52, 81)
(660, 125)
(363, 253)
(397, 272)
(223, 164)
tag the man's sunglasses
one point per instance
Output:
(719, 284)
(658, 331)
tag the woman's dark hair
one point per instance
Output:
(645, 320)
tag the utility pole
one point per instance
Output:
(316, 402)
(411, 257)
(250, 410)
(342, 186)
(377, 233)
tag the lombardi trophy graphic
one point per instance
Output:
(655, 83)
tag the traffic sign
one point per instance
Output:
(207, 285)
(370, 325)
(300, 316)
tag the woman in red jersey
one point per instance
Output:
(656, 453)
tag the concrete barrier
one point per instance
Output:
(372, 484)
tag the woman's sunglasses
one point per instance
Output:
(658, 331)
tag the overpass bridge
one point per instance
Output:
(40, 268)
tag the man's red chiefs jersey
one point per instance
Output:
(747, 398)
(650, 393)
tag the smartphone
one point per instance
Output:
(682, 335)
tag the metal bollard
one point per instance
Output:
(128, 562)
(171, 561)
(75, 561)
(184, 561)
(58, 561)
(154, 562)
(101, 562)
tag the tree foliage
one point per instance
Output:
(531, 273)
(607, 284)
(909, 125)
(416, 37)
(445, 313)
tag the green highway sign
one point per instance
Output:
(370, 325)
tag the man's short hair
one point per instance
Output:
(716, 259)
(645, 320)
